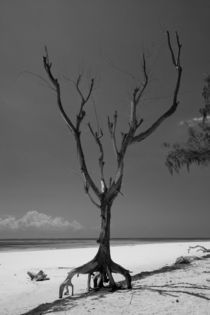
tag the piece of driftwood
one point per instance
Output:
(185, 259)
(39, 276)
(199, 248)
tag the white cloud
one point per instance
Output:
(194, 121)
(37, 220)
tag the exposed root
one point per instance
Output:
(126, 273)
(100, 270)
(87, 268)
(199, 248)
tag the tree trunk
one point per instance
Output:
(103, 256)
(104, 237)
(102, 262)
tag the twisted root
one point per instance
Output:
(102, 272)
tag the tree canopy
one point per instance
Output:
(196, 150)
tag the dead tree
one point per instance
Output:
(103, 197)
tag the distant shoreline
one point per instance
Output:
(25, 244)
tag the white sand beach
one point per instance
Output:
(18, 294)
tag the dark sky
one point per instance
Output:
(40, 184)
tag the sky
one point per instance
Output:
(41, 187)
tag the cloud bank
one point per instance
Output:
(39, 221)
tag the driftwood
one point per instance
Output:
(39, 276)
(199, 248)
(186, 259)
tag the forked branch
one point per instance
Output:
(140, 90)
(177, 64)
(54, 81)
(75, 129)
(134, 122)
(130, 136)
(84, 100)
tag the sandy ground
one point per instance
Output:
(184, 291)
(157, 294)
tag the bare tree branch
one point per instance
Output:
(83, 166)
(112, 130)
(84, 101)
(137, 95)
(127, 138)
(78, 88)
(170, 48)
(130, 137)
(146, 81)
(90, 90)
(74, 129)
(80, 118)
(54, 81)
(97, 137)
(179, 48)
(172, 109)
(87, 191)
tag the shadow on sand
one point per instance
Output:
(174, 290)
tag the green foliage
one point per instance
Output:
(196, 150)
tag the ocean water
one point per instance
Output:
(61, 243)
(57, 243)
